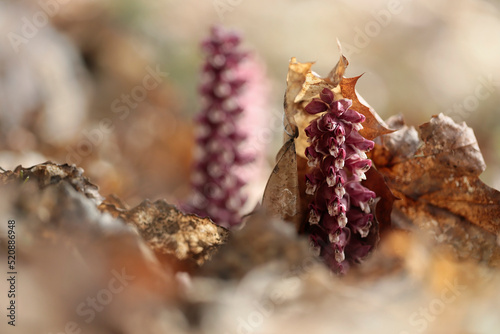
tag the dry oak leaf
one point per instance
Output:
(281, 197)
(437, 179)
(167, 231)
(283, 182)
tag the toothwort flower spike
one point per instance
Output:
(339, 214)
(216, 183)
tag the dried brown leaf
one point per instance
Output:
(438, 181)
(295, 79)
(337, 73)
(383, 208)
(373, 126)
(281, 197)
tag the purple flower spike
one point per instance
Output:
(339, 214)
(216, 179)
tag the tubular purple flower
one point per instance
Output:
(326, 96)
(311, 185)
(327, 123)
(312, 131)
(358, 166)
(312, 156)
(339, 131)
(358, 141)
(316, 106)
(340, 106)
(353, 116)
(360, 221)
(339, 214)
(333, 146)
(359, 194)
(330, 226)
(314, 214)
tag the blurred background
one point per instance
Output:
(111, 86)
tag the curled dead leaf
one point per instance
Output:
(337, 73)
(281, 197)
(296, 77)
(385, 198)
(373, 126)
(437, 178)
